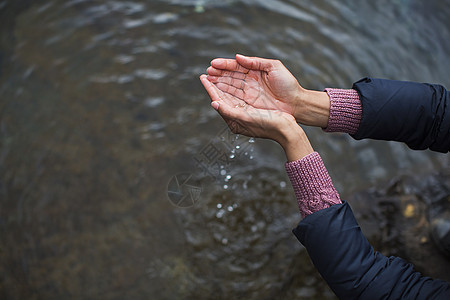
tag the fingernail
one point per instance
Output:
(215, 105)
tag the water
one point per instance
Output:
(101, 106)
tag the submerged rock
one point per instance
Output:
(396, 219)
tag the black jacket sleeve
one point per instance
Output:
(417, 114)
(352, 268)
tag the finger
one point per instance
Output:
(229, 112)
(226, 77)
(235, 86)
(210, 88)
(228, 64)
(217, 72)
(233, 91)
(256, 63)
(229, 85)
(222, 73)
(230, 99)
(216, 94)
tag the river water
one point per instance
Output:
(101, 112)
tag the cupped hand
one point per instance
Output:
(263, 83)
(243, 118)
(267, 84)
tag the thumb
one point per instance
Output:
(215, 105)
(255, 63)
(225, 110)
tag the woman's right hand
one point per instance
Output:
(268, 84)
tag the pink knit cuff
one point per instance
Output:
(345, 111)
(312, 184)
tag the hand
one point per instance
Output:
(243, 118)
(267, 84)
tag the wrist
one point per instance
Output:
(313, 108)
(295, 142)
(345, 111)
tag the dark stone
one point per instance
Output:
(397, 218)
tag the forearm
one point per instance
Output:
(352, 268)
(345, 111)
(312, 108)
(334, 110)
(312, 184)
(417, 114)
(294, 142)
(341, 108)
(414, 113)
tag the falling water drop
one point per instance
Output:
(220, 213)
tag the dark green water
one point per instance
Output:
(101, 106)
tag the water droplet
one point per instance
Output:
(224, 241)
(233, 150)
(246, 153)
(237, 146)
(235, 205)
(282, 184)
(230, 208)
(232, 156)
(220, 213)
(254, 228)
(219, 205)
(228, 177)
(225, 186)
(223, 172)
(251, 140)
(251, 157)
(222, 167)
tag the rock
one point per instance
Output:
(396, 219)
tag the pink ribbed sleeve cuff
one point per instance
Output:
(345, 111)
(312, 184)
